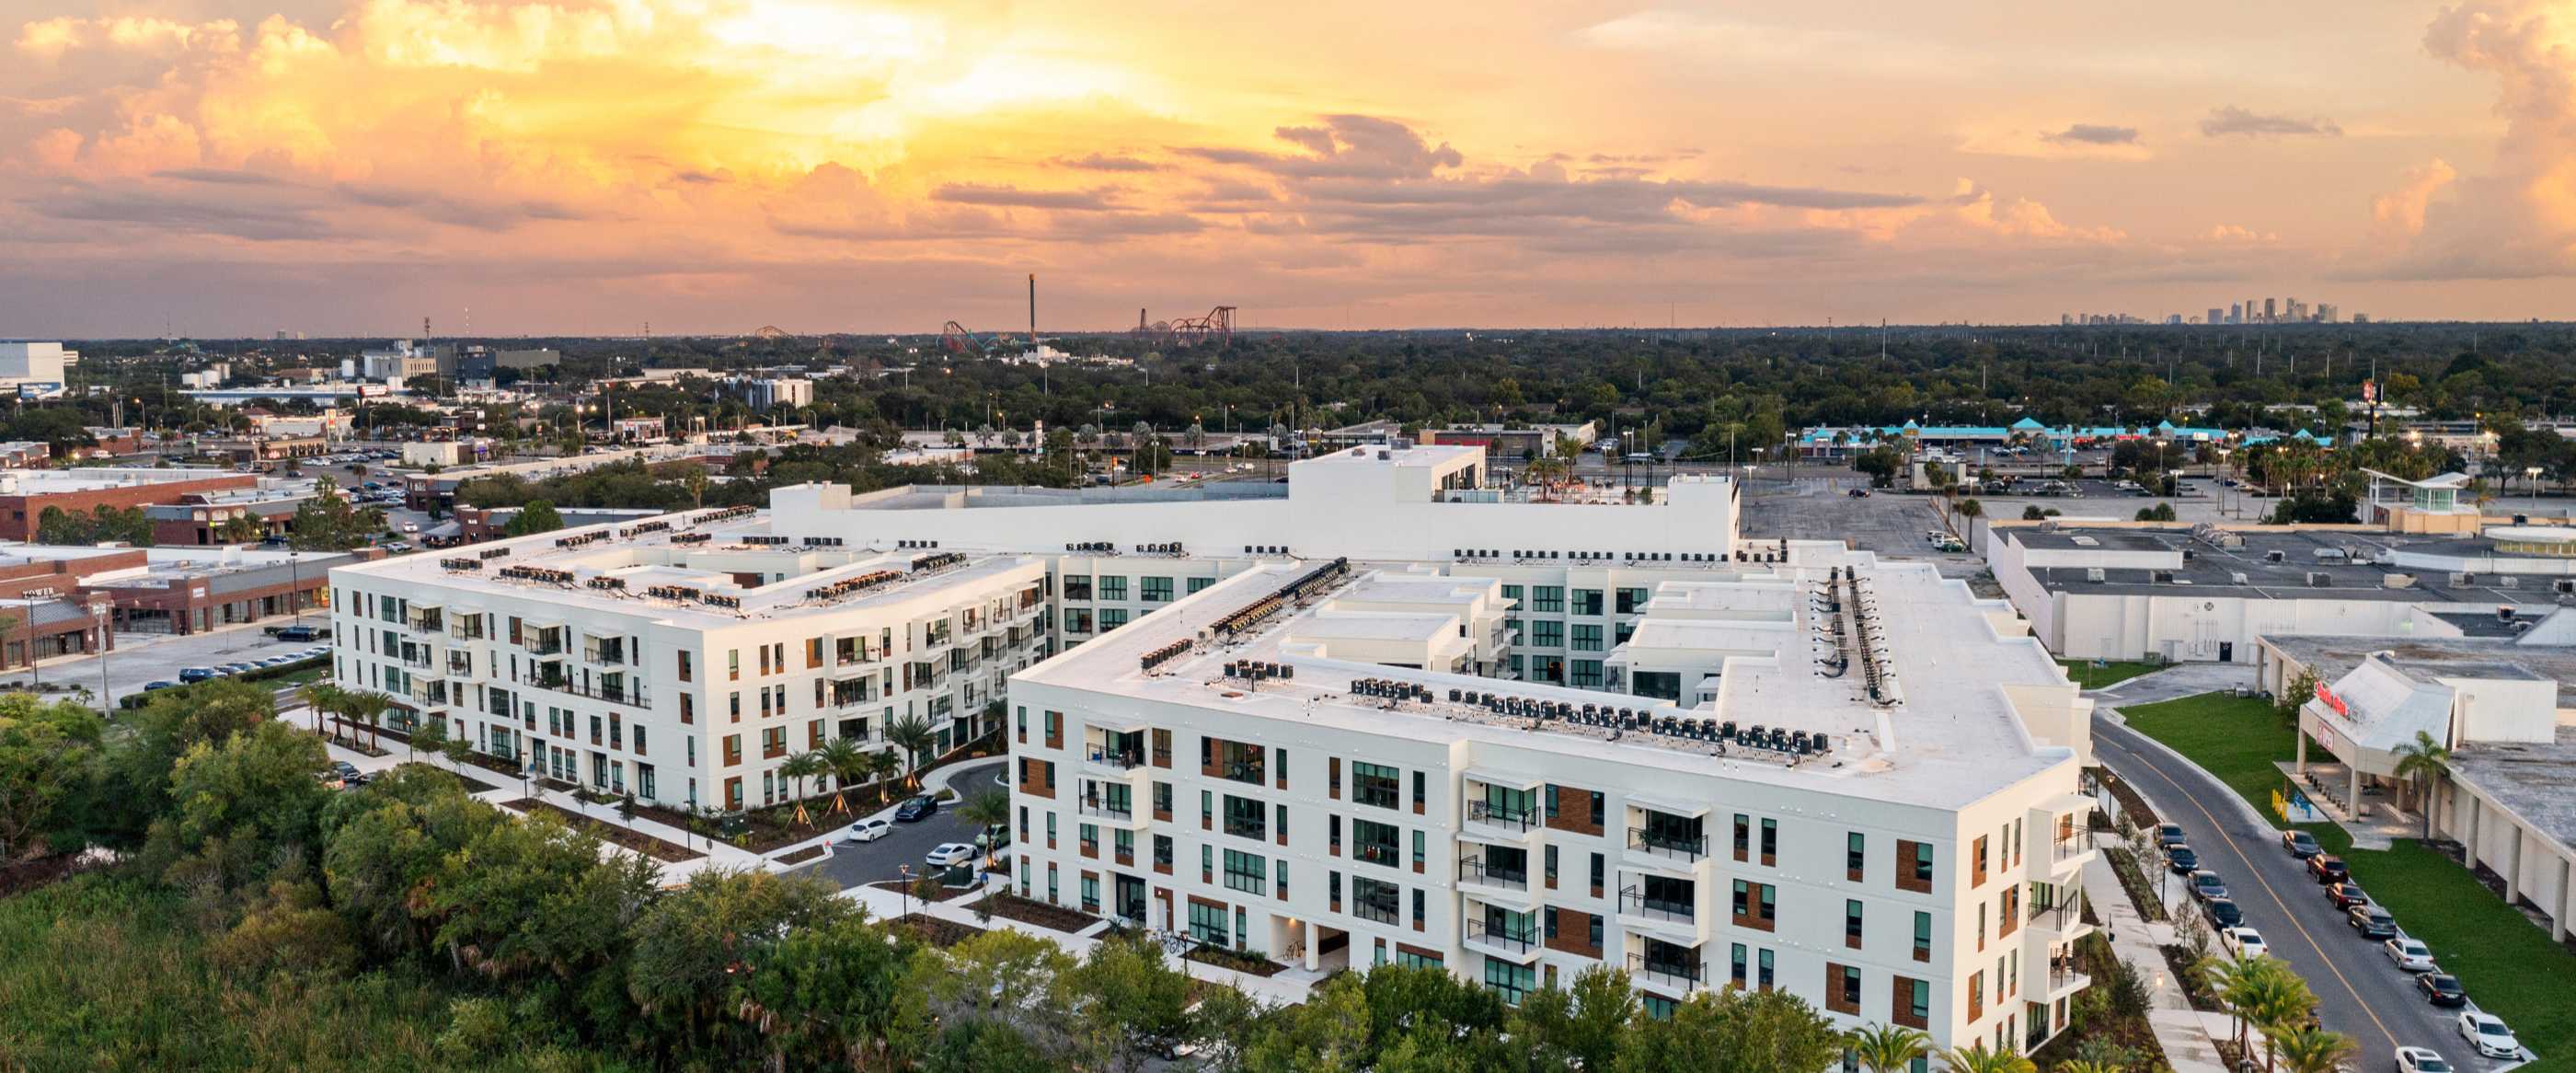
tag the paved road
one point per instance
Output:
(2359, 992)
(853, 863)
(142, 657)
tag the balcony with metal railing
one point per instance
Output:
(2061, 922)
(1505, 940)
(1668, 846)
(1682, 976)
(1376, 912)
(1496, 820)
(621, 694)
(1497, 883)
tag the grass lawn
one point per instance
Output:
(2085, 674)
(2510, 967)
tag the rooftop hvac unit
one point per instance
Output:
(2161, 577)
(2463, 580)
(2276, 556)
(2319, 579)
(2397, 581)
(2093, 574)
(2237, 577)
(2563, 586)
(2508, 582)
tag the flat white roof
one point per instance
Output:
(1954, 740)
(632, 558)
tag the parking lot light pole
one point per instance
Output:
(99, 611)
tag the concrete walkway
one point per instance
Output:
(717, 854)
(2175, 682)
(2179, 1029)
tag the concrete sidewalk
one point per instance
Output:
(2180, 1030)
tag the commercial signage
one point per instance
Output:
(2332, 701)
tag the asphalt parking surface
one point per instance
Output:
(2359, 992)
(852, 864)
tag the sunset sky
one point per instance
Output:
(232, 167)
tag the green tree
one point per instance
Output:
(241, 528)
(2424, 762)
(1969, 508)
(328, 522)
(844, 763)
(1579, 1027)
(241, 806)
(538, 516)
(2310, 1050)
(1004, 978)
(1129, 1001)
(47, 757)
(1753, 1032)
(535, 896)
(135, 788)
(386, 843)
(833, 994)
(797, 769)
(1978, 1059)
(2302, 689)
(915, 736)
(689, 944)
(1884, 1048)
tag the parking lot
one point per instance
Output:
(852, 864)
(1822, 508)
(141, 657)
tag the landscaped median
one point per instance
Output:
(2511, 968)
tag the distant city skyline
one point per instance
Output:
(221, 168)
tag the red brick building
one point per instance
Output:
(24, 495)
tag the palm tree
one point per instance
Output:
(914, 736)
(2238, 983)
(845, 762)
(2310, 1050)
(2424, 762)
(800, 767)
(1978, 1059)
(2284, 1004)
(2078, 1065)
(1889, 1048)
(322, 697)
(986, 810)
(882, 765)
(366, 706)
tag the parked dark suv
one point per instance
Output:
(2371, 921)
(2328, 868)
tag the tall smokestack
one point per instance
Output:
(1033, 309)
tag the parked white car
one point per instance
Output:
(2409, 953)
(2246, 942)
(947, 854)
(2420, 1060)
(2488, 1034)
(870, 830)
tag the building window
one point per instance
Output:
(1208, 924)
(1154, 590)
(1374, 842)
(1246, 872)
(1547, 633)
(1851, 923)
(1587, 637)
(1547, 598)
(1512, 982)
(1922, 936)
(1631, 601)
(1374, 784)
(1197, 583)
(1111, 618)
(1586, 673)
(1855, 855)
(1587, 601)
(1246, 818)
(1113, 587)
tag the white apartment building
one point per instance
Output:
(1206, 735)
(683, 659)
(1276, 764)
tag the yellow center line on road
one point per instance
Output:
(2292, 917)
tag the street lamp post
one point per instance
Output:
(99, 612)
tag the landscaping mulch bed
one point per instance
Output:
(628, 837)
(935, 931)
(2133, 808)
(2141, 890)
(493, 764)
(800, 856)
(1032, 911)
(946, 894)
(2187, 975)
(1228, 959)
